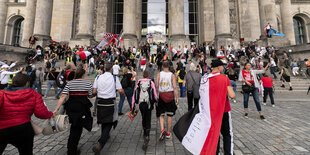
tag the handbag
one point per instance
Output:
(167, 97)
(183, 124)
(195, 88)
(56, 124)
(36, 128)
(248, 89)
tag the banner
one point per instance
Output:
(153, 49)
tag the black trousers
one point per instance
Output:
(20, 136)
(268, 91)
(190, 98)
(146, 118)
(2, 86)
(226, 131)
(181, 91)
(105, 133)
(74, 138)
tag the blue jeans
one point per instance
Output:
(89, 68)
(255, 97)
(50, 84)
(273, 71)
(38, 85)
(128, 92)
(53, 63)
(59, 92)
(234, 85)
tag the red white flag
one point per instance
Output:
(203, 133)
(102, 44)
(106, 35)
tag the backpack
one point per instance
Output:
(182, 74)
(48, 64)
(126, 81)
(145, 93)
(61, 79)
(32, 75)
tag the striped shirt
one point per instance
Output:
(78, 87)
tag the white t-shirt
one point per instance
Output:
(185, 50)
(39, 52)
(165, 84)
(134, 50)
(106, 86)
(91, 61)
(116, 69)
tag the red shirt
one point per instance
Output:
(221, 89)
(267, 82)
(247, 76)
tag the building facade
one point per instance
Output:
(177, 21)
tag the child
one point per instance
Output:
(268, 84)
(145, 95)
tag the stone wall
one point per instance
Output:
(298, 51)
(12, 53)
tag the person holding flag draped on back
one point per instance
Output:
(202, 135)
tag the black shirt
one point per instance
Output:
(53, 75)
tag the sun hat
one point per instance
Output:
(4, 66)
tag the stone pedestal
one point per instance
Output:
(29, 22)
(3, 14)
(43, 19)
(225, 40)
(129, 23)
(275, 41)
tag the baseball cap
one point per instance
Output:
(4, 66)
(216, 63)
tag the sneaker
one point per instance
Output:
(273, 105)
(120, 113)
(146, 143)
(97, 148)
(168, 135)
(264, 103)
(45, 96)
(290, 89)
(234, 101)
(283, 86)
(162, 135)
(262, 117)
(246, 115)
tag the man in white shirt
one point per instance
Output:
(134, 50)
(5, 75)
(105, 86)
(116, 68)
(91, 64)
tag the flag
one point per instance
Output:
(275, 33)
(102, 44)
(106, 35)
(120, 39)
(200, 132)
(149, 36)
(113, 40)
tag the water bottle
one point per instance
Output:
(53, 124)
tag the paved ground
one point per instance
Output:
(285, 131)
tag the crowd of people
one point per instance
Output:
(114, 69)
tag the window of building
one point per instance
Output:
(154, 17)
(19, 1)
(17, 32)
(191, 18)
(118, 11)
(300, 31)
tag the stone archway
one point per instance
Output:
(303, 17)
(11, 22)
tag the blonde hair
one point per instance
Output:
(125, 70)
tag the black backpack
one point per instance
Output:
(182, 74)
(61, 79)
(126, 81)
(48, 64)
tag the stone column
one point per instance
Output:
(43, 19)
(287, 21)
(3, 14)
(267, 13)
(129, 23)
(29, 21)
(176, 15)
(139, 19)
(86, 19)
(222, 19)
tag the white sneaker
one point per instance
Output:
(234, 101)
(264, 104)
(273, 105)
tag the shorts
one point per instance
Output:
(165, 108)
(286, 78)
